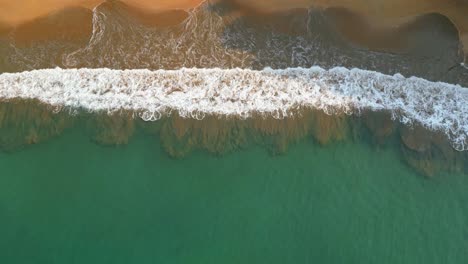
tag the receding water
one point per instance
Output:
(72, 201)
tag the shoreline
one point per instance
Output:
(209, 38)
(194, 93)
(26, 120)
(375, 19)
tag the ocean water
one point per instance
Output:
(73, 201)
(195, 93)
(228, 138)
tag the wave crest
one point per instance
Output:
(195, 93)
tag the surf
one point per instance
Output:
(194, 93)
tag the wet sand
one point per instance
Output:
(69, 24)
(375, 19)
(4, 28)
(219, 35)
(14, 12)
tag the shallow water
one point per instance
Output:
(72, 201)
(223, 142)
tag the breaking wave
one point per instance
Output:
(195, 93)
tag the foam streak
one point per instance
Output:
(242, 92)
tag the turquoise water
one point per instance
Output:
(72, 201)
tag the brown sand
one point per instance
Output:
(378, 16)
(75, 23)
(375, 18)
(69, 24)
(15, 12)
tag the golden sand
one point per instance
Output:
(376, 18)
(17, 12)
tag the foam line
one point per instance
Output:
(242, 92)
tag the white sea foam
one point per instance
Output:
(242, 92)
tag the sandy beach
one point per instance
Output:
(378, 16)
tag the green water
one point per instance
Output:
(72, 201)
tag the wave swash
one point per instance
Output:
(241, 92)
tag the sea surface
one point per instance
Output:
(73, 201)
(211, 136)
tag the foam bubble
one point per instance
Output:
(241, 92)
